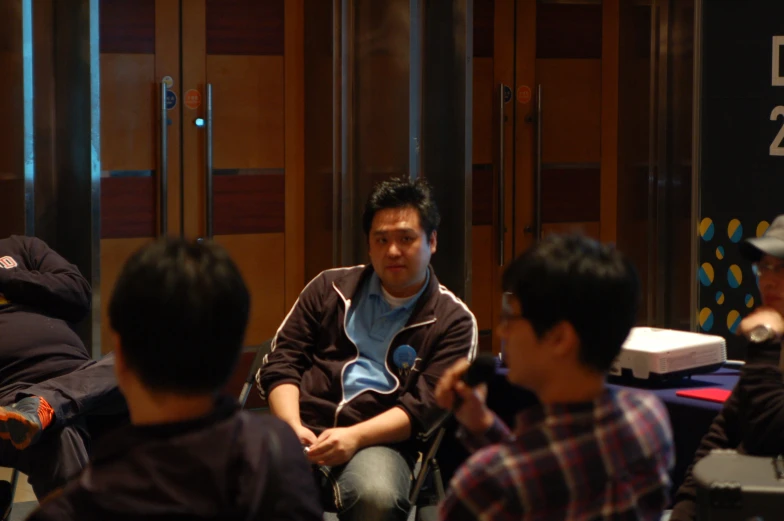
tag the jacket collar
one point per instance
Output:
(425, 308)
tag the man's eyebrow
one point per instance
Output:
(395, 230)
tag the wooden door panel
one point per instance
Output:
(570, 194)
(139, 46)
(572, 101)
(129, 98)
(493, 64)
(589, 229)
(483, 290)
(260, 260)
(484, 94)
(249, 203)
(248, 111)
(12, 153)
(11, 93)
(484, 197)
(243, 49)
(114, 254)
(127, 26)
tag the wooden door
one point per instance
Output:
(493, 126)
(249, 53)
(139, 44)
(565, 144)
(540, 171)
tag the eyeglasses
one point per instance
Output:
(761, 269)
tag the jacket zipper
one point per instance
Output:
(343, 400)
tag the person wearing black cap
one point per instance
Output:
(752, 419)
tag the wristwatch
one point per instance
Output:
(762, 334)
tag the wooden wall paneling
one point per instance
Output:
(571, 107)
(139, 46)
(588, 229)
(11, 92)
(12, 146)
(250, 27)
(484, 28)
(129, 100)
(194, 76)
(504, 30)
(525, 63)
(382, 134)
(128, 26)
(12, 199)
(318, 95)
(128, 208)
(570, 31)
(249, 203)
(114, 253)
(485, 86)
(258, 259)
(504, 72)
(483, 288)
(248, 111)
(167, 63)
(129, 138)
(483, 199)
(571, 194)
(294, 80)
(610, 102)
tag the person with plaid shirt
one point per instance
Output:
(584, 452)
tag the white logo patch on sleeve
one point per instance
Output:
(7, 263)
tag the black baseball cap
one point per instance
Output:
(772, 243)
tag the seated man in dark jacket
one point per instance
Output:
(49, 386)
(180, 311)
(355, 363)
(752, 419)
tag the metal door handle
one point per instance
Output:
(501, 177)
(538, 172)
(163, 164)
(208, 163)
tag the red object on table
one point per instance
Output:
(712, 394)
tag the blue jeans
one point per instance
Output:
(373, 485)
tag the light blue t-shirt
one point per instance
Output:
(372, 324)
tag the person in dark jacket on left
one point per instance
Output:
(179, 311)
(49, 385)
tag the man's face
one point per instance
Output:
(770, 273)
(399, 250)
(527, 358)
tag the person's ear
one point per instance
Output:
(562, 340)
(433, 241)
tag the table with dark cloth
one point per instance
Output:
(690, 417)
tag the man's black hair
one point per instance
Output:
(180, 309)
(401, 193)
(578, 280)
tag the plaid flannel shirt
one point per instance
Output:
(606, 459)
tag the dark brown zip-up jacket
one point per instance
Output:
(751, 421)
(311, 349)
